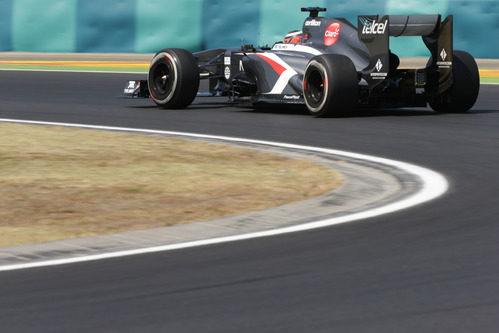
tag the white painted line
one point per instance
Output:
(433, 186)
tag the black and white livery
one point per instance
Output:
(330, 66)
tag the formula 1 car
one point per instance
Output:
(330, 66)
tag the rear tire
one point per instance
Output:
(464, 90)
(330, 85)
(173, 78)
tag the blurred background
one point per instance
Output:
(145, 26)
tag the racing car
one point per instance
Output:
(329, 66)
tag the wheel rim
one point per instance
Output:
(162, 78)
(162, 81)
(315, 87)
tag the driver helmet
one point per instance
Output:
(294, 36)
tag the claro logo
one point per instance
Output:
(371, 27)
(332, 33)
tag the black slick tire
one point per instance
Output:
(173, 78)
(330, 85)
(465, 87)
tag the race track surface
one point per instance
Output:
(434, 267)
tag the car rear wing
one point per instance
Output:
(374, 31)
(413, 25)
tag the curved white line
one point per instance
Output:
(434, 185)
(283, 80)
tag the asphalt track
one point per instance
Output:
(434, 267)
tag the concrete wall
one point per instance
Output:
(149, 25)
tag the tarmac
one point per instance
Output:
(365, 186)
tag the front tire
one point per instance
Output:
(330, 85)
(173, 78)
(466, 84)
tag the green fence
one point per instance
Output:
(149, 25)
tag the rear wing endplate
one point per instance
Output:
(374, 31)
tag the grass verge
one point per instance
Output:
(58, 183)
(494, 80)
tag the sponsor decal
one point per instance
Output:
(226, 60)
(313, 23)
(283, 46)
(332, 33)
(371, 27)
(379, 75)
(443, 63)
(296, 47)
(241, 67)
(291, 97)
(227, 72)
(443, 54)
(132, 87)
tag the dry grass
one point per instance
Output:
(58, 183)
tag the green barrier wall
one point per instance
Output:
(149, 25)
(160, 24)
(35, 28)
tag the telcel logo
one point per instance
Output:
(374, 28)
